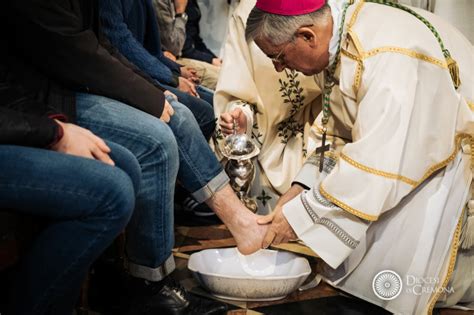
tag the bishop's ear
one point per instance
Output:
(306, 34)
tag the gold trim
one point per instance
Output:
(351, 35)
(356, 41)
(358, 72)
(407, 52)
(440, 165)
(360, 62)
(374, 171)
(472, 154)
(359, 59)
(470, 104)
(357, 81)
(349, 209)
(355, 14)
(452, 263)
(428, 173)
(350, 55)
(358, 77)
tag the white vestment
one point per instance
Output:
(393, 197)
(280, 109)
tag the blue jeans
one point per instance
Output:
(87, 204)
(161, 149)
(206, 94)
(202, 108)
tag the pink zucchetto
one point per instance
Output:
(290, 7)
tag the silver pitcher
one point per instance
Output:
(239, 150)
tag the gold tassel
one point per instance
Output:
(467, 235)
(454, 71)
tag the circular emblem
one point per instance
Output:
(387, 285)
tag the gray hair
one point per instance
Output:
(279, 29)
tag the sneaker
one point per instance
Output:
(169, 297)
(199, 209)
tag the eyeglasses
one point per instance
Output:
(280, 57)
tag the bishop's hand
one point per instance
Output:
(234, 120)
(280, 231)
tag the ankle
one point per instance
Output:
(228, 207)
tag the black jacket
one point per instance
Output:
(26, 129)
(194, 47)
(23, 120)
(61, 39)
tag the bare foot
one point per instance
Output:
(248, 233)
(240, 221)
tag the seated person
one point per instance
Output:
(194, 47)
(175, 17)
(84, 187)
(132, 28)
(167, 149)
(276, 109)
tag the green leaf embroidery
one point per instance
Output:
(291, 92)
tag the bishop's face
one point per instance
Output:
(308, 52)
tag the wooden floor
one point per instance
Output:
(323, 297)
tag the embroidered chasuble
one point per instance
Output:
(392, 193)
(280, 109)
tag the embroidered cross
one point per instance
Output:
(323, 148)
(264, 197)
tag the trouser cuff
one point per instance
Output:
(153, 274)
(209, 190)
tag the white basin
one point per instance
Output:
(266, 275)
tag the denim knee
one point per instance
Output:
(163, 147)
(203, 111)
(208, 125)
(119, 200)
(182, 115)
(184, 121)
(208, 129)
(125, 160)
(207, 121)
(206, 94)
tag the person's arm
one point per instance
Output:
(190, 51)
(394, 150)
(31, 130)
(172, 28)
(194, 47)
(25, 129)
(105, 42)
(172, 65)
(22, 120)
(117, 31)
(53, 38)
